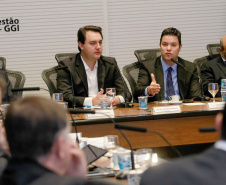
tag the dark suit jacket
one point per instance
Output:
(188, 84)
(7, 94)
(29, 172)
(207, 168)
(4, 157)
(212, 72)
(108, 76)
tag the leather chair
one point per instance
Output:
(131, 72)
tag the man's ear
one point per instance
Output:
(220, 50)
(59, 147)
(219, 122)
(80, 45)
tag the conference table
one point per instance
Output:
(179, 128)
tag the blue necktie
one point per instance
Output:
(169, 84)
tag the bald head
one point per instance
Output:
(222, 48)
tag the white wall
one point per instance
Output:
(47, 27)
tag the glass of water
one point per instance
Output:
(111, 92)
(57, 97)
(213, 89)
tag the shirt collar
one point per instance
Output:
(221, 144)
(165, 66)
(223, 59)
(86, 66)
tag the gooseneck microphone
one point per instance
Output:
(26, 89)
(202, 98)
(81, 111)
(140, 129)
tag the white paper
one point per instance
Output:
(101, 113)
(216, 105)
(166, 109)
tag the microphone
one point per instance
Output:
(207, 129)
(72, 86)
(81, 111)
(140, 129)
(202, 98)
(26, 89)
(125, 104)
(125, 127)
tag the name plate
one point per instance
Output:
(101, 113)
(166, 109)
(216, 105)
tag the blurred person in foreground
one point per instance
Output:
(42, 151)
(206, 168)
(4, 148)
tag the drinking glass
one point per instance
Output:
(57, 97)
(111, 142)
(111, 92)
(213, 89)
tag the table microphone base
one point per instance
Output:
(201, 98)
(125, 105)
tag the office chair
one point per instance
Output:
(17, 80)
(61, 56)
(199, 62)
(131, 72)
(49, 76)
(213, 50)
(2, 63)
(147, 54)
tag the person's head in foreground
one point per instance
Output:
(37, 128)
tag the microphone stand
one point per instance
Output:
(199, 98)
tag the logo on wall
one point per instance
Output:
(9, 25)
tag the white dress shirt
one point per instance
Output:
(221, 144)
(92, 81)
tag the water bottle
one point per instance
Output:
(223, 89)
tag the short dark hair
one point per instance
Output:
(171, 31)
(82, 33)
(31, 126)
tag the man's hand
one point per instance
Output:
(77, 165)
(154, 88)
(116, 100)
(3, 141)
(96, 99)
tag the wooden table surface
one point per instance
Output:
(178, 128)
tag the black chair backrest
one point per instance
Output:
(49, 76)
(61, 56)
(2, 63)
(147, 54)
(17, 80)
(131, 72)
(213, 50)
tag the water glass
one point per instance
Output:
(143, 100)
(57, 97)
(143, 157)
(111, 142)
(213, 89)
(111, 92)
